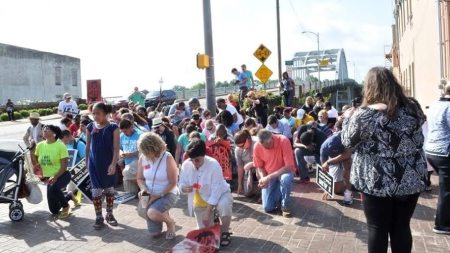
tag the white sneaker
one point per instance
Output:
(348, 197)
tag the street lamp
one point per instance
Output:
(318, 54)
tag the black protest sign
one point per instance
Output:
(80, 177)
(325, 181)
(85, 187)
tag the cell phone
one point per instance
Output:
(145, 194)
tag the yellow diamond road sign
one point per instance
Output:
(263, 73)
(262, 53)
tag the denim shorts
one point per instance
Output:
(161, 205)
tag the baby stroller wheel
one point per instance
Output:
(16, 213)
(18, 204)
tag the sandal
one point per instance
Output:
(225, 239)
(170, 233)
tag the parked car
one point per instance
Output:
(154, 97)
(120, 102)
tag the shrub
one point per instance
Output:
(55, 110)
(42, 112)
(4, 117)
(17, 115)
(82, 107)
(48, 111)
(25, 114)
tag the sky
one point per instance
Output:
(138, 42)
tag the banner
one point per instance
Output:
(94, 91)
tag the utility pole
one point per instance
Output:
(210, 80)
(279, 42)
(441, 57)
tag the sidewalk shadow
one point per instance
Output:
(320, 214)
(41, 228)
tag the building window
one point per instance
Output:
(74, 77)
(57, 75)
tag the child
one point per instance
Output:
(102, 153)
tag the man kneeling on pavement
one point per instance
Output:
(336, 160)
(274, 160)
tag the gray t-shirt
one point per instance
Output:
(244, 156)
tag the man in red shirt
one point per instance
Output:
(273, 157)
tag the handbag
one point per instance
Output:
(35, 196)
(144, 199)
(142, 206)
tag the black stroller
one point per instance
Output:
(12, 184)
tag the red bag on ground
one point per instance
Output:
(205, 240)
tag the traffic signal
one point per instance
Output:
(202, 61)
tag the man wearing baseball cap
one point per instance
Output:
(67, 106)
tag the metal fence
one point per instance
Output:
(186, 94)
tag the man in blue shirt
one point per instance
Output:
(249, 75)
(278, 127)
(130, 154)
(241, 80)
(336, 160)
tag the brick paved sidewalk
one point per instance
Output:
(317, 226)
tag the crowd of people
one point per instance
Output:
(374, 146)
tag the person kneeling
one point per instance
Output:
(157, 177)
(201, 177)
(274, 160)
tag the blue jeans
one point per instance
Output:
(300, 154)
(277, 192)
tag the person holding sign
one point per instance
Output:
(78, 145)
(50, 164)
(389, 165)
(274, 160)
(157, 178)
(336, 160)
(102, 154)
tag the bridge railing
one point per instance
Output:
(220, 91)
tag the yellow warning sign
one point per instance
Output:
(262, 53)
(263, 73)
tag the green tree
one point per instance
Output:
(198, 86)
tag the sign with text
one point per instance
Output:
(80, 177)
(324, 181)
(94, 91)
